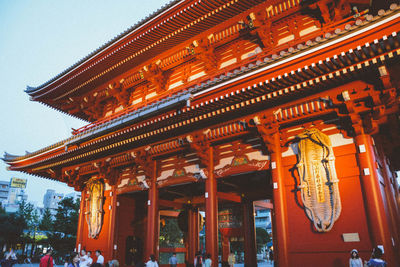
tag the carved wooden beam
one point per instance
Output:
(73, 179)
(91, 106)
(205, 53)
(365, 108)
(257, 29)
(201, 146)
(266, 127)
(120, 93)
(143, 158)
(154, 74)
(330, 10)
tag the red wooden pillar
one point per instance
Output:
(211, 211)
(193, 234)
(280, 220)
(378, 224)
(226, 248)
(390, 191)
(250, 251)
(111, 231)
(153, 218)
(81, 221)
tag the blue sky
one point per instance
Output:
(38, 40)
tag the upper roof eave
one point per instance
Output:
(32, 89)
(197, 90)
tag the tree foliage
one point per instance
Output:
(31, 216)
(170, 234)
(66, 218)
(11, 227)
(262, 237)
(46, 223)
(64, 226)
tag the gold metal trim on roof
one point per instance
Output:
(223, 110)
(140, 51)
(310, 82)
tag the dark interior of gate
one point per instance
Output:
(181, 211)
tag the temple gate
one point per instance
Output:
(212, 105)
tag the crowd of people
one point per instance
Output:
(375, 260)
(84, 259)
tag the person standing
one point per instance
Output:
(66, 261)
(355, 260)
(198, 260)
(100, 258)
(74, 260)
(231, 259)
(376, 258)
(271, 255)
(173, 261)
(208, 262)
(83, 260)
(47, 260)
(152, 261)
(90, 260)
(10, 258)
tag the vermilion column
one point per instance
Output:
(153, 222)
(81, 221)
(113, 215)
(378, 224)
(226, 248)
(279, 198)
(193, 234)
(250, 251)
(211, 211)
(390, 191)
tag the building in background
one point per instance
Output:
(51, 200)
(262, 219)
(4, 190)
(12, 193)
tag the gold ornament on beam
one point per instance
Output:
(94, 206)
(318, 180)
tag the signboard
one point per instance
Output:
(351, 237)
(18, 182)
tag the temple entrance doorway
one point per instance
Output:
(130, 228)
(244, 219)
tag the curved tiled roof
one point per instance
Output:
(206, 85)
(157, 35)
(31, 89)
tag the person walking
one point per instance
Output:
(74, 260)
(355, 260)
(173, 261)
(47, 260)
(376, 258)
(152, 261)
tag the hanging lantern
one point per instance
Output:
(94, 206)
(229, 221)
(318, 180)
